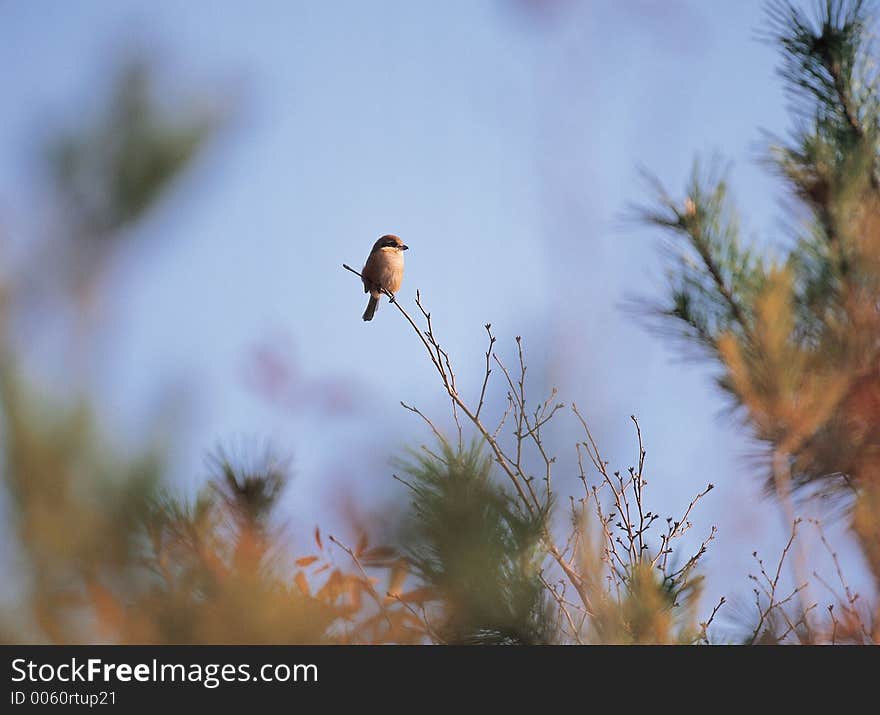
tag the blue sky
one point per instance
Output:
(500, 141)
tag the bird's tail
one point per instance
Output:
(371, 308)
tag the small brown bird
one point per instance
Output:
(383, 270)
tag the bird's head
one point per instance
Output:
(390, 242)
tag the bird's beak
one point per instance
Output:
(404, 248)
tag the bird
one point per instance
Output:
(383, 270)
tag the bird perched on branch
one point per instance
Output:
(383, 270)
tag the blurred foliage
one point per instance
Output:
(110, 170)
(75, 503)
(110, 173)
(646, 613)
(797, 340)
(219, 575)
(476, 547)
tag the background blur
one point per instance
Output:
(502, 140)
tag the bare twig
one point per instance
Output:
(422, 617)
(769, 588)
(704, 627)
(367, 581)
(488, 327)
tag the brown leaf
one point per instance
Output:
(331, 589)
(108, 609)
(418, 595)
(398, 576)
(302, 583)
(362, 544)
(306, 561)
